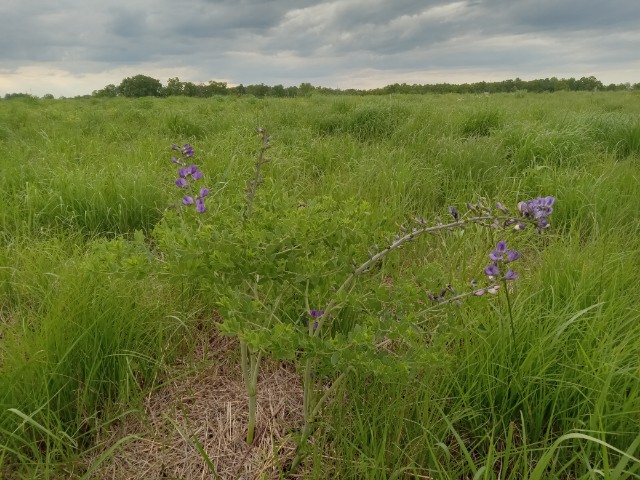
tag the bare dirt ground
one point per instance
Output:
(212, 407)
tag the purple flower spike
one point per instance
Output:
(204, 192)
(181, 182)
(197, 175)
(188, 200)
(200, 208)
(511, 275)
(491, 270)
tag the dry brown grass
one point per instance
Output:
(210, 405)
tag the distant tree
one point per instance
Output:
(305, 89)
(259, 91)
(48, 96)
(10, 96)
(278, 91)
(190, 89)
(140, 86)
(589, 83)
(215, 88)
(174, 87)
(239, 89)
(109, 91)
(292, 91)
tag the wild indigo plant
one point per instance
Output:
(534, 211)
(254, 263)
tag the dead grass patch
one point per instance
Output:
(212, 407)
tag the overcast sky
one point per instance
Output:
(72, 47)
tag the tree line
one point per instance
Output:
(145, 86)
(142, 86)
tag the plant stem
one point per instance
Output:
(256, 180)
(310, 417)
(250, 364)
(513, 331)
(393, 246)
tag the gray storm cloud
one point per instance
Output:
(287, 41)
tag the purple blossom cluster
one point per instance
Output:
(316, 314)
(500, 257)
(537, 209)
(187, 175)
(186, 151)
(199, 200)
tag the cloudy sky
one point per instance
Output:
(72, 47)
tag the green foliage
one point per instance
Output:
(482, 123)
(138, 86)
(183, 127)
(617, 134)
(95, 338)
(365, 123)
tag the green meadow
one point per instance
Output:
(94, 318)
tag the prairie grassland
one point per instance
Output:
(90, 325)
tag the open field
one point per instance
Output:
(112, 296)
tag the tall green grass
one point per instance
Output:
(89, 322)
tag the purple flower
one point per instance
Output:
(187, 200)
(511, 275)
(187, 150)
(197, 175)
(191, 169)
(316, 313)
(183, 172)
(181, 182)
(175, 147)
(512, 256)
(204, 192)
(500, 257)
(500, 250)
(492, 270)
(200, 208)
(538, 209)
